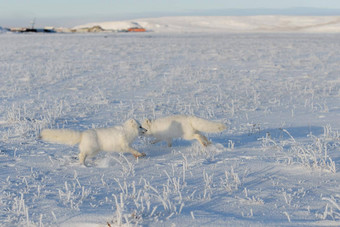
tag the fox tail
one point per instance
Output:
(62, 136)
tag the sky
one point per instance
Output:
(74, 12)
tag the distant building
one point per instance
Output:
(43, 30)
(17, 29)
(136, 29)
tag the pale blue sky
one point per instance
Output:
(72, 12)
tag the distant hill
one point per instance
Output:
(299, 11)
(264, 23)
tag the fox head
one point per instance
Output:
(147, 125)
(132, 123)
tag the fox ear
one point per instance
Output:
(146, 122)
(132, 121)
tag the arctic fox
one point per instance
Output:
(92, 141)
(181, 126)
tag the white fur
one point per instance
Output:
(92, 141)
(181, 126)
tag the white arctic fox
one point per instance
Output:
(92, 141)
(181, 126)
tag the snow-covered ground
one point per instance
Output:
(277, 164)
(297, 24)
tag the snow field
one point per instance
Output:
(276, 164)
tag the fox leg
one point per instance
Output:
(136, 153)
(88, 146)
(169, 141)
(82, 158)
(84, 153)
(156, 141)
(202, 139)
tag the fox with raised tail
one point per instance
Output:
(181, 126)
(118, 138)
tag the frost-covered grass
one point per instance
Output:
(276, 164)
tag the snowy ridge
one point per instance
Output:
(312, 24)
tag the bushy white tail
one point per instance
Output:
(62, 136)
(203, 125)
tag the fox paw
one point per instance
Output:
(206, 143)
(139, 155)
